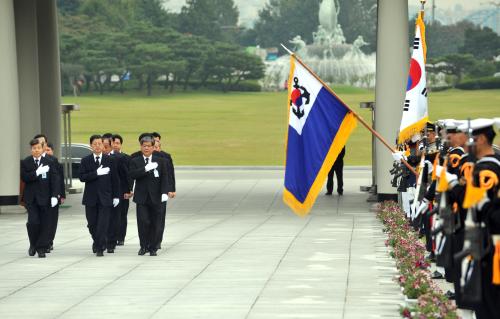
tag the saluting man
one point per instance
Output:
(98, 172)
(151, 190)
(40, 195)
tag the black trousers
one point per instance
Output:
(97, 222)
(161, 228)
(338, 169)
(148, 222)
(122, 221)
(54, 219)
(38, 226)
(113, 225)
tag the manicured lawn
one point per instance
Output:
(209, 128)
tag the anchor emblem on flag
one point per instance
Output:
(296, 98)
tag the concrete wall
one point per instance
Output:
(30, 85)
(9, 105)
(392, 72)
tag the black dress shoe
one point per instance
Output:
(99, 253)
(31, 251)
(41, 254)
(142, 251)
(152, 253)
(437, 275)
(328, 193)
(119, 243)
(47, 251)
(111, 250)
(340, 193)
(450, 295)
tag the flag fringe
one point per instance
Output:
(303, 208)
(409, 131)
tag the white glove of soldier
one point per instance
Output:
(116, 201)
(102, 171)
(398, 156)
(429, 166)
(452, 179)
(151, 166)
(53, 202)
(42, 169)
(164, 197)
(423, 208)
(439, 169)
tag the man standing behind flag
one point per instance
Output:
(319, 124)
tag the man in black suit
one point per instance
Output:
(98, 172)
(151, 190)
(49, 151)
(338, 169)
(171, 183)
(40, 195)
(54, 212)
(126, 184)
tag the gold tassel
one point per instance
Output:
(496, 263)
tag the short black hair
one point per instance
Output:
(95, 137)
(107, 135)
(35, 141)
(41, 135)
(143, 135)
(50, 145)
(488, 132)
(118, 136)
(107, 138)
(156, 134)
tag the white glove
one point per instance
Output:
(102, 171)
(452, 179)
(424, 206)
(42, 169)
(439, 169)
(116, 201)
(151, 166)
(164, 197)
(398, 156)
(53, 202)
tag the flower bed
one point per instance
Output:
(415, 278)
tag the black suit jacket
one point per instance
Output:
(148, 188)
(122, 163)
(60, 171)
(170, 169)
(99, 189)
(39, 190)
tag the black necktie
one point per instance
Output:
(147, 160)
(97, 160)
(36, 163)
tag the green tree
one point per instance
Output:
(455, 64)
(481, 42)
(213, 19)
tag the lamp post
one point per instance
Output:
(68, 174)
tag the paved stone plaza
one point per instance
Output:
(231, 250)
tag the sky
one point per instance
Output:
(249, 8)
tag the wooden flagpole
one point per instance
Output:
(360, 119)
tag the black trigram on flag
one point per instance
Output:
(416, 43)
(424, 92)
(407, 105)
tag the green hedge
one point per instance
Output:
(485, 83)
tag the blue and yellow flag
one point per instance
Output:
(319, 124)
